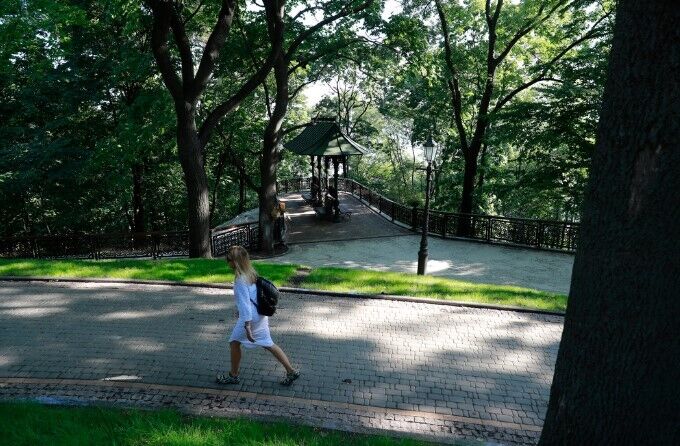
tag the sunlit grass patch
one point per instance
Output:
(382, 282)
(33, 424)
(179, 270)
(331, 279)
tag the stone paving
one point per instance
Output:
(369, 241)
(444, 373)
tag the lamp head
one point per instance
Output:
(430, 148)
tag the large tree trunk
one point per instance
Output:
(617, 372)
(196, 181)
(467, 200)
(469, 175)
(272, 133)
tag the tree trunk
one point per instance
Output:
(617, 372)
(219, 170)
(467, 199)
(272, 135)
(191, 157)
(480, 180)
(267, 192)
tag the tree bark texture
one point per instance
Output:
(618, 370)
(186, 91)
(272, 132)
(193, 166)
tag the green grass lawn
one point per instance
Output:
(32, 424)
(179, 270)
(380, 282)
(332, 279)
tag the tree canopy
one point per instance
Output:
(100, 98)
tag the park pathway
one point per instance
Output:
(443, 373)
(369, 241)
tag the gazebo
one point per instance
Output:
(324, 138)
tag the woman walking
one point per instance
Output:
(252, 328)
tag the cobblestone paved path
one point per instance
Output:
(442, 372)
(369, 241)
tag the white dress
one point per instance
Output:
(245, 295)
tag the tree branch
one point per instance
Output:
(233, 102)
(159, 46)
(307, 60)
(308, 32)
(182, 41)
(306, 10)
(295, 127)
(251, 53)
(191, 16)
(592, 33)
(213, 46)
(529, 25)
(452, 83)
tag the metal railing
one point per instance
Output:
(523, 232)
(153, 245)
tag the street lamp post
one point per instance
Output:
(430, 152)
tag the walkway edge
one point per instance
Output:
(284, 289)
(4, 381)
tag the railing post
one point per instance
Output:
(360, 193)
(155, 245)
(380, 204)
(488, 229)
(392, 211)
(445, 224)
(539, 235)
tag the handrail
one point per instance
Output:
(156, 244)
(553, 235)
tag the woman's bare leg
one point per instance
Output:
(235, 357)
(281, 357)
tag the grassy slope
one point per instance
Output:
(32, 424)
(181, 270)
(379, 282)
(334, 279)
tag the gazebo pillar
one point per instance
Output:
(318, 166)
(311, 161)
(326, 165)
(312, 191)
(344, 166)
(336, 205)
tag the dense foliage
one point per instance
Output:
(88, 134)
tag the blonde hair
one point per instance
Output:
(242, 266)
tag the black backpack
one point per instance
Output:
(267, 297)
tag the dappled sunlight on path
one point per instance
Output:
(478, 364)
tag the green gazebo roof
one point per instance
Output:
(324, 138)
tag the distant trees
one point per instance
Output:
(99, 127)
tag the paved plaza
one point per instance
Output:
(369, 241)
(444, 373)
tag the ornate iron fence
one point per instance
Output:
(123, 246)
(528, 233)
(245, 235)
(538, 234)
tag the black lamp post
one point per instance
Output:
(430, 152)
